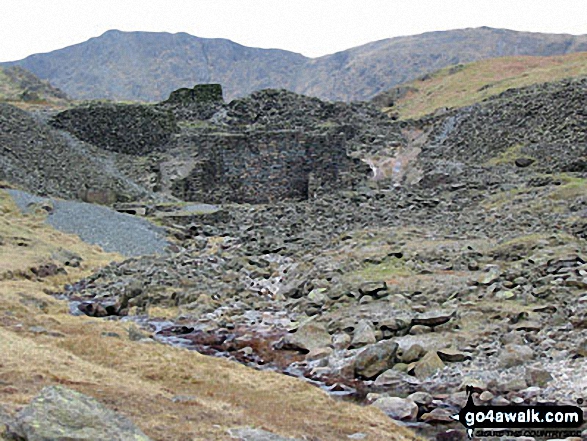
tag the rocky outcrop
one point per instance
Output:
(18, 84)
(201, 93)
(539, 127)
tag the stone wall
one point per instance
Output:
(264, 166)
(201, 93)
(124, 128)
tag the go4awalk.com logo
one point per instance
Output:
(518, 420)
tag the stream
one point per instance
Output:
(254, 344)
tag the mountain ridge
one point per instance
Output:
(147, 66)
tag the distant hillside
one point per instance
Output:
(18, 84)
(148, 66)
(463, 85)
(360, 73)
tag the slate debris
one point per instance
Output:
(49, 162)
(114, 232)
(125, 128)
(489, 284)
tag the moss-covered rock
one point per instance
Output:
(58, 413)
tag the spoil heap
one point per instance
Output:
(48, 162)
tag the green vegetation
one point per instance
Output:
(552, 198)
(474, 82)
(508, 156)
(522, 244)
(497, 200)
(194, 124)
(327, 125)
(572, 187)
(389, 269)
(20, 86)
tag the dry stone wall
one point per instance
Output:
(272, 146)
(132, 129)
(200, 93)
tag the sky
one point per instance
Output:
(310, 27)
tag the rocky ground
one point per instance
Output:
(464, 262)
(465, 265)
(66, 376)
(114, 232)
(46, 161)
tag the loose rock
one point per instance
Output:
(397, 408)
(375, 359)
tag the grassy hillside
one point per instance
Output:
(21, 86)
(362, 72)
(147, 66)
(463, 85)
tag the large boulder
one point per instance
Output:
(363, 335)
(428, 365)
(375, 359)
(6, 422)
(250, 434)
(309, 336)
(398, 408)
(58, 413)
(515, 355)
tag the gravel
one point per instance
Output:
(201, 208)
(113, 231)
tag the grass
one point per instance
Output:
(571, 188)
(521, 244)
(387, 270)
(14, 82)
(508, 156)
(193, 124)
(477, 81)
(552, 198)
(498, 200)
(141, 379)
(27, 238)
(374, 244)
(6, 88)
